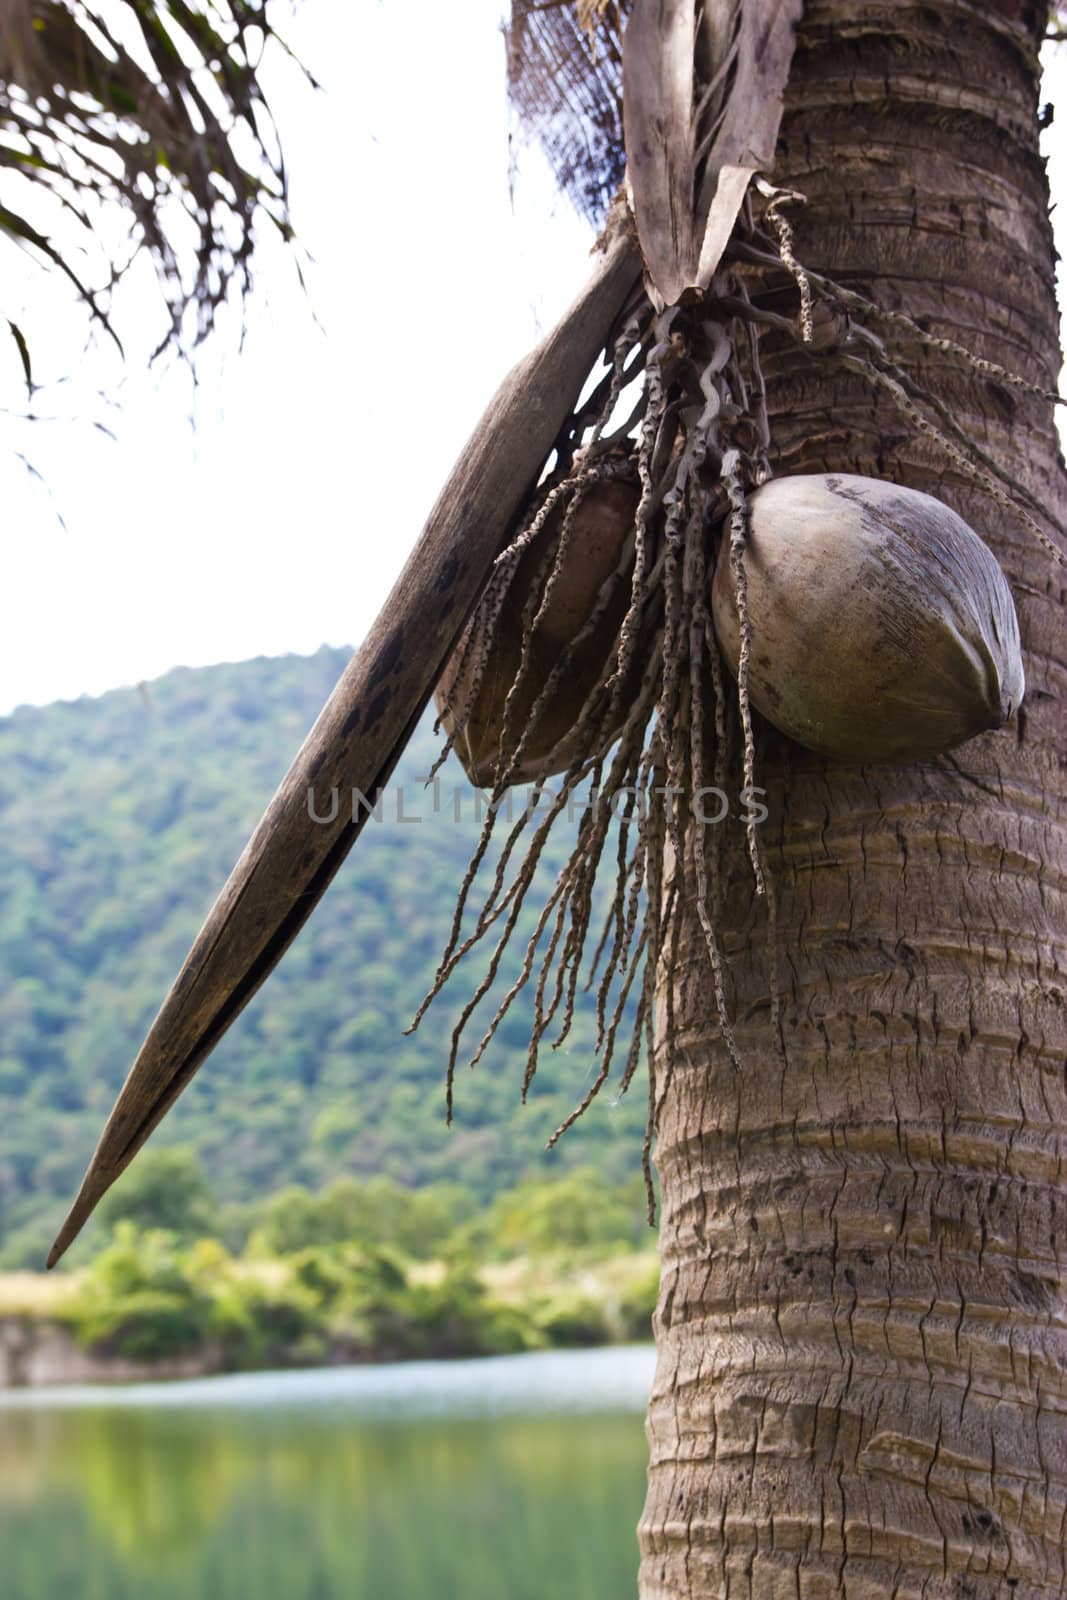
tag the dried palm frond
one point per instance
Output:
(155, 105)
(702, 85)
(703, 91)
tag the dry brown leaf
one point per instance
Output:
(659, 122)
(703, 90)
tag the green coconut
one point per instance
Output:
(882, 627)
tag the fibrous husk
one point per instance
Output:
(882, 628)
(489, 655)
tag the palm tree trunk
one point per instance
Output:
(861, 1381)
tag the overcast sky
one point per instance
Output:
(280, 521)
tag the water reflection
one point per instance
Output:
(315, 1501)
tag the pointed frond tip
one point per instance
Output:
(153, 108)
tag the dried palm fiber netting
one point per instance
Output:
(679, 410)
(564, 64)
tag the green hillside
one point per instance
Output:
(119, 819)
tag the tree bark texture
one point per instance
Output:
(862, 1380)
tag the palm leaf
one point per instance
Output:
(24, 354)
(153, 105)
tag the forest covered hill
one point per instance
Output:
(119, 819)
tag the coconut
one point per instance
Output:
(599, 528)
(882, 628)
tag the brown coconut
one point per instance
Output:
(598, 533)
(883, 628)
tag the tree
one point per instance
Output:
(168, 1191)
(860, 1325)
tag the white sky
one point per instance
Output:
(280, 522)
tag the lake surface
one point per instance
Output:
(518, 1478)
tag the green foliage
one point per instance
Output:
(375, 1307)
(165, 1188)
(573, 1319)
(637, 1304)
(575, 1213)
(416, 1222)
(145, 1299)
(139, 1300)
(261, 1324)
(119, 820)
(363, 1272)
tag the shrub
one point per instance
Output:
(266, 1325)
(164, 1189)
(574, 1212)
(574, 1319)
(637, 1304)
(137, 1300)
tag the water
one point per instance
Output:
(519, 1478)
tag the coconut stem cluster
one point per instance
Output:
(864, 620)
